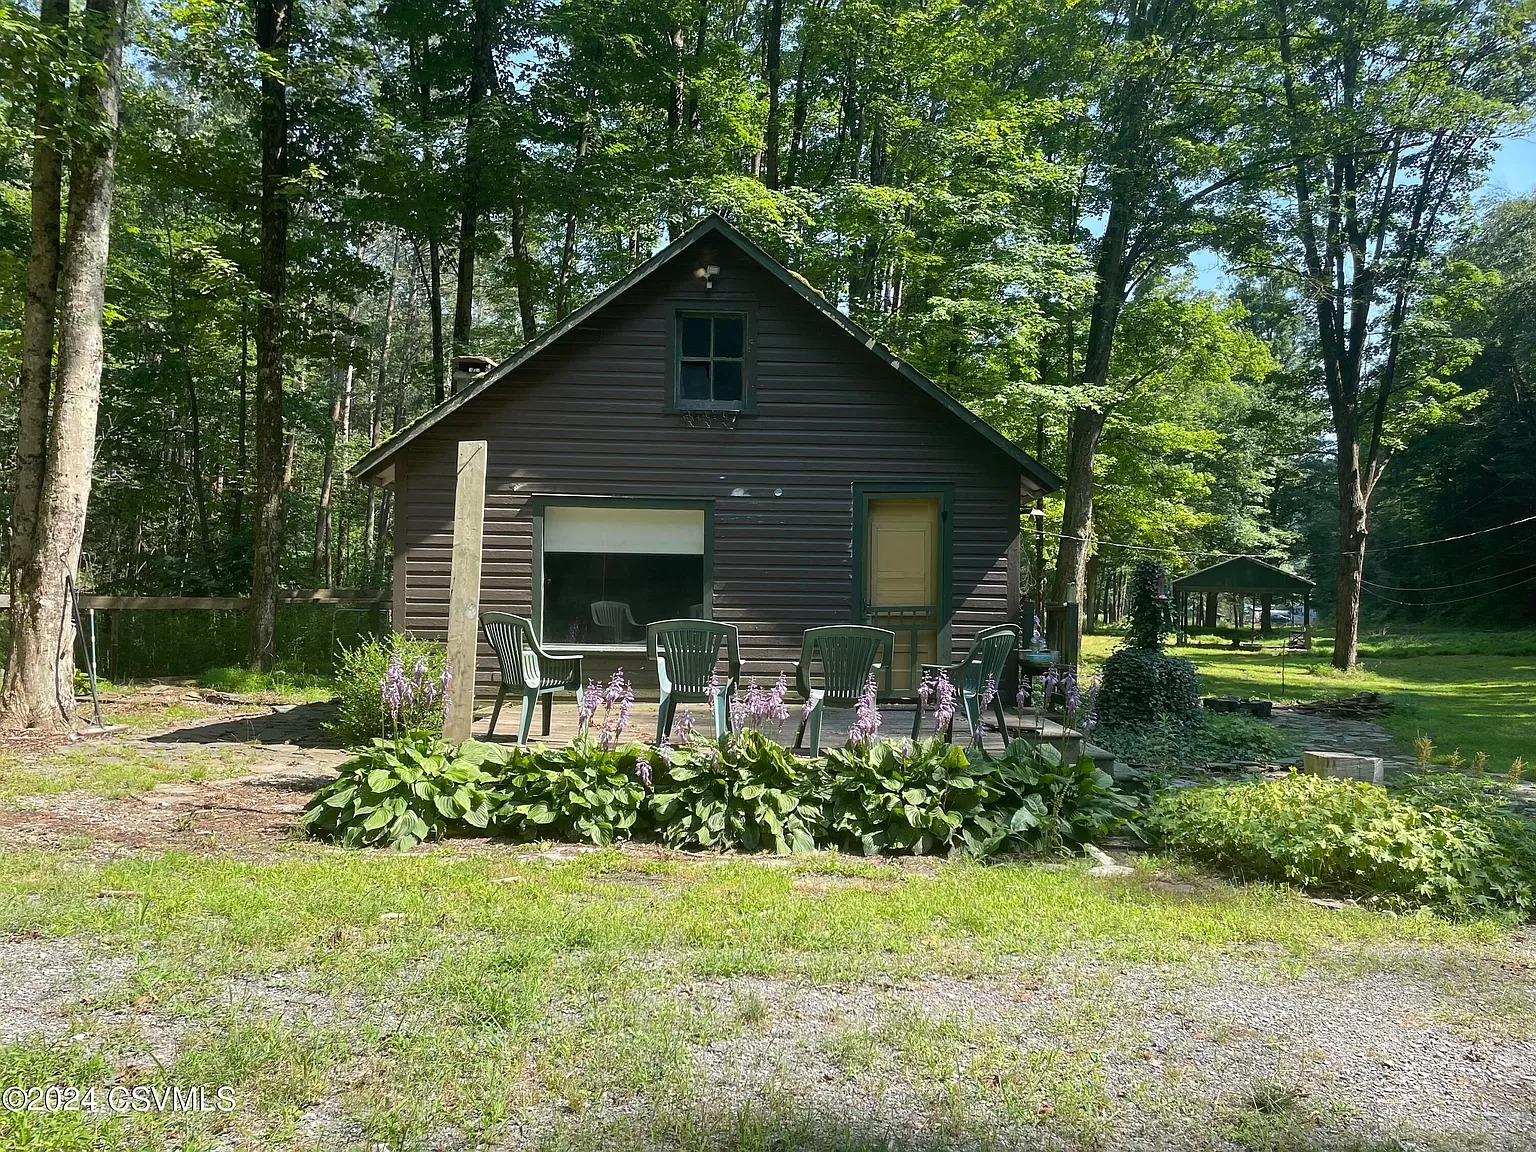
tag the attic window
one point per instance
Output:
(710, 361)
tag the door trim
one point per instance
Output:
(945, 494)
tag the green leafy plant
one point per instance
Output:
(361, 671)
(1447, 842)
(1043, 804)
(902, 797)
(748, 792)
(1142, 686)
(399, 792)
(583, 791)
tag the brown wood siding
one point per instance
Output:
(586, 417)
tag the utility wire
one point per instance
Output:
(1446, 587)
(1246, 555)
(1454, 600)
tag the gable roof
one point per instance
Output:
(1243, 574)
(380, 456)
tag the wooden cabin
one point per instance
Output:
(710, 437)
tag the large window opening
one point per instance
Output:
(609, 570)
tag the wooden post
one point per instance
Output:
(464, 590)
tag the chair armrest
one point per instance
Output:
(569, 665)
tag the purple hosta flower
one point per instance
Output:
(713, 688)
(1024, 696)
(945, 700)
(805, 710)
(1050, 681)
(738, 710)
(617, 699)
(643, 768)
(591, 698)
(925, 690)
(778, 711)
(1091, 708)
(1071, 693)
(395, 689)
(866, 725)
(989, 693)
(685, 726)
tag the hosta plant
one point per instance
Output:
(399, 792)
(583, 791)
(1044, 804)
(905, 797)
(749, 793)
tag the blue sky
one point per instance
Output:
(1513, 174)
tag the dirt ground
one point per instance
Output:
(260, 757)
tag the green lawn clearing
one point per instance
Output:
(432, 1000)
(1468, 692)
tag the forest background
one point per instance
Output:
(1189, 248)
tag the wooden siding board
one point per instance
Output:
(586, 417)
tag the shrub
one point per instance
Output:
(1141, 686)
(1149, 607)
(1454, 846)
(583, 791)
(398, 793)
(1043, 804)
(750, 793)
(360, 674)
(906, 798)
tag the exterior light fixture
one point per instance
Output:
(707, 273)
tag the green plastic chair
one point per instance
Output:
(686, 653)
(847, 654)
(987, 660)
(527, 669)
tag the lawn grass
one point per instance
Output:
(1468, 692)
(405, 997)
(113, 771)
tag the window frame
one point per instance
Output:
(540, 503)
(747, 313)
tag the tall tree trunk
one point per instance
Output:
(242, 416)
(40, 672)
(773, 45)
(1353, 502)
(480, 79)
(568, 246)
(41, 303)
(376, 413)
(322, 558)
(272, 26)
(435, 278)
(1111, 279)
(522, 272)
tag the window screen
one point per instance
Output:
(610, 571)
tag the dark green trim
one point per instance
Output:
(537, 505)
(862, 493)
(1041, 477)
(671, 402)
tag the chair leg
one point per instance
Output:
(496, 711)
(815, 732)
(530, 700)
(664, 717)
(972, 716)
(1002, 719)
(722, 717)
(917, 721)
(549, 708)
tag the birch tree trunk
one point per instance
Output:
(40, 307)
(40, 672)
(272, 24)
